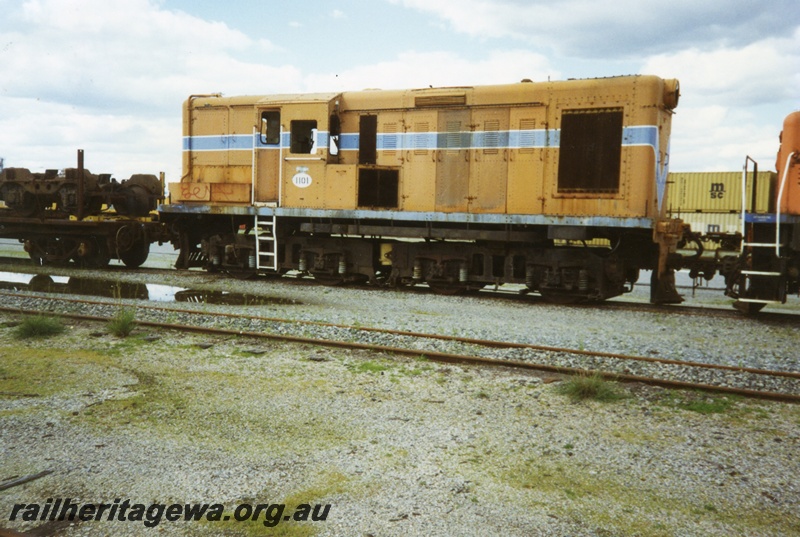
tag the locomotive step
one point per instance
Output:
(758, 301)
(761, 244)
(760, 273)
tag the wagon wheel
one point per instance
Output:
(41, 283)
(37, 257)
(98, 258)
(136, 255)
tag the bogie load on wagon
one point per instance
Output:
(76, 216)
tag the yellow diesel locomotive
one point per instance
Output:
(559, 186)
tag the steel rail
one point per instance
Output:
(443, 357)
(502, 294)
(423, 335)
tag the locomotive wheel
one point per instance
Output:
(331, 280)
(241, 273)
(136, 255)
(447, 288)
(562, 297)
(748, 308)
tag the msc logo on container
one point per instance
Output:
(717, 191)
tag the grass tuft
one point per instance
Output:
(370, 366)
(593, 387)
(39, 327)
(710, 405)
(123, 323)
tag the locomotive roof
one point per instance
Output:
(524, 92)
(372, 99)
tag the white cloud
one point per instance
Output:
(423, 69)
(109, 76)
(716, 138)
(767, 70)
(104, 53)
(733, 103)
(591, 29)
(47, 135)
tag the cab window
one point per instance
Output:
(303, 136)
(271, 127)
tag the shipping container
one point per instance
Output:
(718, 229)
(718, 192)
(706, 223)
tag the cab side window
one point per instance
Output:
(303, 136)
(271, 128)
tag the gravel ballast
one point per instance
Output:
(398, 446)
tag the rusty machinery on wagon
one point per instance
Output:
(559, 186)
(78, 216)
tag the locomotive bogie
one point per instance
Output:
(576, 273)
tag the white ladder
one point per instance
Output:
(749, 274)
(266, 243)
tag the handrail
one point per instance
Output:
(778, 208)
(190, 128)
(744, 199)
(253, 163)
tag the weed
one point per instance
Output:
(123, 323)
(590, 387)
(48, 371)
(370, 367)
(39, 327)
(710, 405)
(700, 402)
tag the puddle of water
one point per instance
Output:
(228, 299)
(113, 289)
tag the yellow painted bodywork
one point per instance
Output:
(418, 135)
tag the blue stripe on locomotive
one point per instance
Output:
(645, 135)
(514, 139)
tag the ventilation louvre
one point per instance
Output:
(440, 100)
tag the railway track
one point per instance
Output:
(620, 304)
(660, 371)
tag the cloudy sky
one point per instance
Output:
(109, 76)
